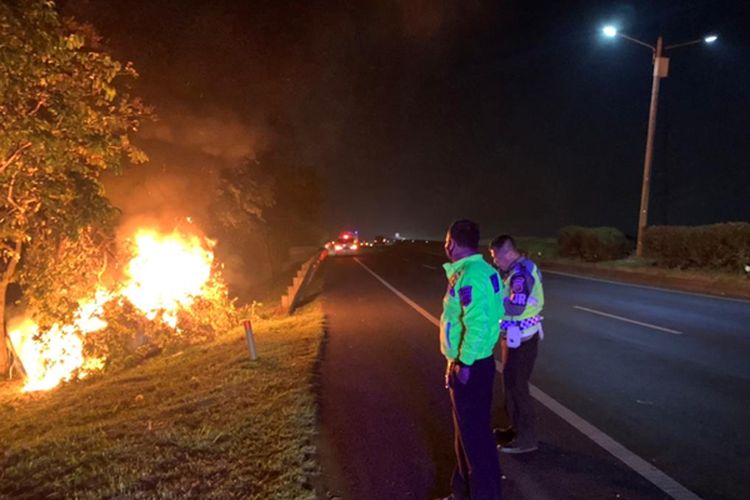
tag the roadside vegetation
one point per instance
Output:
(205, 422)
(708, 259)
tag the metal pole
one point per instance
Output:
(646, 187)
(250, 339)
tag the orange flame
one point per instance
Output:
(58, 356)
(165, 273)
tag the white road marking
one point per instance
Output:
(429, 267)
(403, 297)
(658, 478)
(642, 467)
(647, 287)
(628, 320)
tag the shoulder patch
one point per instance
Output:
(464, 294)
(495, 280)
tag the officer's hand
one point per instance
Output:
(462, 373)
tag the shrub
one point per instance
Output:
(569, 241)
(592, 244)
(716, 246)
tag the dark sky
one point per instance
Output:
(518, 114)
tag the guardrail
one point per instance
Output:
(290, 300)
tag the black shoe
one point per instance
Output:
(516, 448)
(503, 437)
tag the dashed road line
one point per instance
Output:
(628, 320)
(658, 478)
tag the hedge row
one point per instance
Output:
(592, 244)
(716, 246)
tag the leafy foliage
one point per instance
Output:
(592, 244)
(244, 192)
(130, 337)
(65, 120)
(716, 246)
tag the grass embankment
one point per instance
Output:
(206, 423)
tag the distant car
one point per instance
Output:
(346, 244)
(380, 241)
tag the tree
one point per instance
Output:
(243, 193)
(295, 217)
(65, 119)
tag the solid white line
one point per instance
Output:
(627, 320)
(429, 267)
(642, 467)
(647, 287)
(432, 319)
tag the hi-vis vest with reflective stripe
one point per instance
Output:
(523, 291)
(523, 296)
(472, 309)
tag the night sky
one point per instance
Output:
(517, 114)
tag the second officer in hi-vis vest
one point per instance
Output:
(523, 298)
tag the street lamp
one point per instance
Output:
(610, 31)
(661, 69)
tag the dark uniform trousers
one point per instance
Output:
(477, 473)
(516, 373)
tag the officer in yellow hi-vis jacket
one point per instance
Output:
(523, 298)
(469, 329)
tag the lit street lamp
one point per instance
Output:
(661, 69)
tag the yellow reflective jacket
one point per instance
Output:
(472, 309)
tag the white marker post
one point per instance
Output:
(250, 339)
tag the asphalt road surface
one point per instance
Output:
(665, 375)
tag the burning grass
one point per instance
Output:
(202, 423)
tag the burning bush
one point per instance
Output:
(171, 294)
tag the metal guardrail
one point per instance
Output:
(290, 300)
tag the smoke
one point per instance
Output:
(187, 150)
(218, 134)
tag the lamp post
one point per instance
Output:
(661, 69)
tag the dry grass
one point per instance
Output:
(205, 423)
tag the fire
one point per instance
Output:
(167, 272)
(164, 274)
(58, 355)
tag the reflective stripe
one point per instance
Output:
(523, 324)
(529, 326)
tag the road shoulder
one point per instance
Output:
(698, 283)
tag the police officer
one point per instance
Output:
(469, 329)
(523, 298)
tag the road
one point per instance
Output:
(664, 374)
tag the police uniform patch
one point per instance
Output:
(495, 280)
(464, 294)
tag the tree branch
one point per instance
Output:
(38, 106)
(10, 270)
(14, 156)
